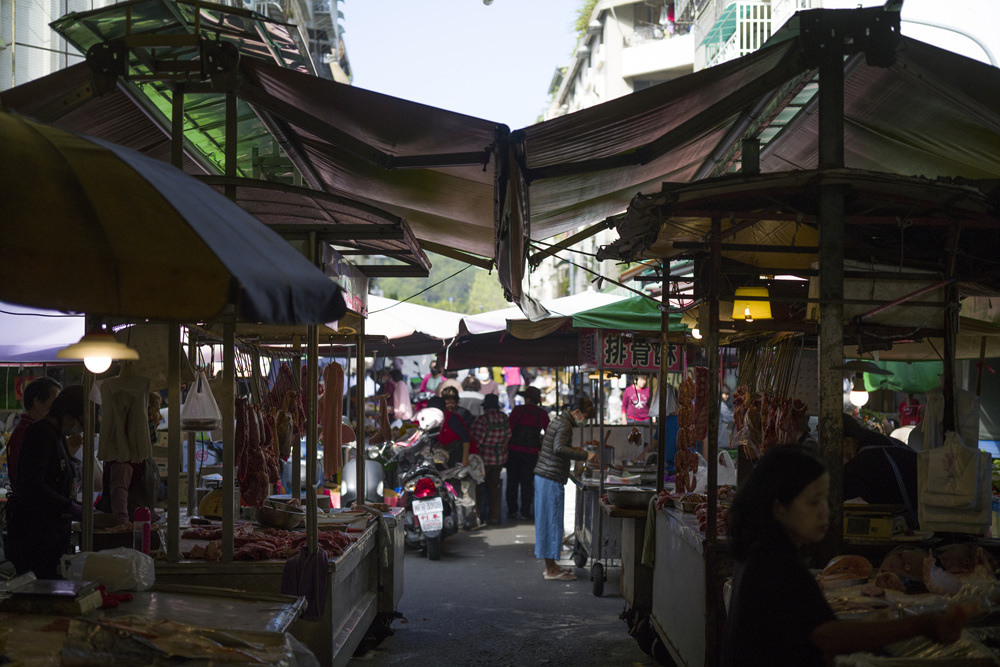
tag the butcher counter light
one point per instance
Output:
(751, 303)
(97, 348)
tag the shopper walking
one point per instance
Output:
(527, 424)
(490, 434)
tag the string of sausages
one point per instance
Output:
(763, 414)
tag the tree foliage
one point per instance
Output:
(448, 287)
(583, 16)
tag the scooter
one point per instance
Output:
(378, 465)
(429, 510)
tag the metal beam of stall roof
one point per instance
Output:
(462, 256)
(392, 271)
(749, 218)
(749, 125)
(608, 223)
(808, 273)
(748, 247)
(339, 233)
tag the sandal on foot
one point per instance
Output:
(564, 569)
(562, 576)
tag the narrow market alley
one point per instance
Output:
(485, 603)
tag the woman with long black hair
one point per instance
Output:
(777, 614)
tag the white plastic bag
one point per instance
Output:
(120, 569)
(200, 412)
(954, 487)
(726, 472)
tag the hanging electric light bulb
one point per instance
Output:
(97, 349)
(859, 393)
(696, 333)
(746, 314)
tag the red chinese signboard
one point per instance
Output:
(612, 350)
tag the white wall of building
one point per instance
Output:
(623, 51)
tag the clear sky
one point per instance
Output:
(494, 62)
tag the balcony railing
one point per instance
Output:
(741, 29)
(652, 33)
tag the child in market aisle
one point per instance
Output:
(778, 614)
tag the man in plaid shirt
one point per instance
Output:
(490, 433)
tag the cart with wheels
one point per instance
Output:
(597, 536)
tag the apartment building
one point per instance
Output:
(30, 49)
(628, 46)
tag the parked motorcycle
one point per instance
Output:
(379, 468)
(429, 510)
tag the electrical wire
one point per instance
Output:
(552, 245)
(57, 315)
(602, 277)
(429, 287)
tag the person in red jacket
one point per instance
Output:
(527, 424)
(38, 397)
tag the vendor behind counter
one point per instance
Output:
(879, 469)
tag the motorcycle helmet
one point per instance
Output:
(430, 419)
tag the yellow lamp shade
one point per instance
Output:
(750, 310)
(97, 348)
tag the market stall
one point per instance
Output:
(743, 230)
(262, 179)
(252, 267)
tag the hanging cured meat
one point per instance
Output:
(331, 419)
(685, 461)
(384, 431)
(701, 402)
(256, 459)
(284, 383)
(284, 425)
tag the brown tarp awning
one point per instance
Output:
(456, 179)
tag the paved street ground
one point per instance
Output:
(485, 603)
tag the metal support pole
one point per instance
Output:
(227, 406)
(597, 549)
(712, 352)
(297, 445)
(192, 438)
(950, 421)
(361, 440)
(87, 517)
(661, 446)
(831, 289)
(312, 410)
(174, 442)
(712, 583)
(312, 429)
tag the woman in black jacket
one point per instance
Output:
(551, 475)
(40, 512)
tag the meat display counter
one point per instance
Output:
(196, 625)
(363, 587)
(688, 612)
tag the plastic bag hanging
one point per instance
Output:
(200, 412)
